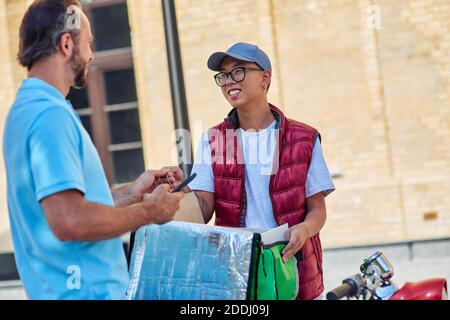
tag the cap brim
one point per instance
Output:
(215, 61)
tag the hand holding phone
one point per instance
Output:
(184, 184)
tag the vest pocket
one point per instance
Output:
(317, 251)
(309, 267)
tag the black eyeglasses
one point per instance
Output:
(237, 75)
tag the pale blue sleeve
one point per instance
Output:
(318, 178)
(54, 153)
(202, 167)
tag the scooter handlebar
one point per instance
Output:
(349, 288)
(340, 292)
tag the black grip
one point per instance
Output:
(351, 287)
(340, 292)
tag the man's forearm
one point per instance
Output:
(316, 215)
(94, 222)
(206, 203)
(125, 196)
(72, 218)
(314, 221)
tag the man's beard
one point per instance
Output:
(79, 69)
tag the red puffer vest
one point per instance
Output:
(287, 187)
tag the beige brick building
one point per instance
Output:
(372, 76)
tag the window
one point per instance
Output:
(80, 102)
(108, 107)
(110, 27)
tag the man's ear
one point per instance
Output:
(66, 44)
(267, 79)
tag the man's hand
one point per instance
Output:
(297, 236)
(149, 180)
(134, 192)
(163, 204)
(175, 174)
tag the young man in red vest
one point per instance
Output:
(259, 169)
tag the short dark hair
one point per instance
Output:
(42, 27)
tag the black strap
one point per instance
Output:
(130, 248)
(254, 255)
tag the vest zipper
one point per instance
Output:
(244, 203)
(271, 181)
(244, 193)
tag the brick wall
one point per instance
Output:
(414, 48)
(380, 98)
(5, 91)
(8, 22)
(11, 13)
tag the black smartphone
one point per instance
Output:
(184, 183)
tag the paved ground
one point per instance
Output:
(12, 291)
(413, 262)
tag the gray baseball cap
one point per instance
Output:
(241, 51)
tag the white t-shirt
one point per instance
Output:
(258, 149)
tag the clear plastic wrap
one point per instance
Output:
(184, 261)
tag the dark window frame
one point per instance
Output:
(105, 61)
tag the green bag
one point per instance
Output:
(272, 279)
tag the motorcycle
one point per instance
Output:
(375, 283)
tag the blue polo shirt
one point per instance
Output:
(46, 151)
